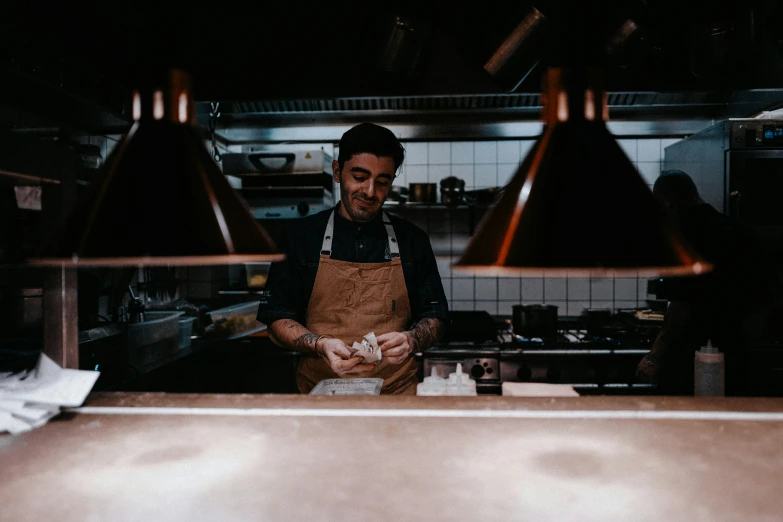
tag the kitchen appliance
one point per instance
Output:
(470, 339)
(737, 164)
(481, 362)
(283, 183)
(593, 364)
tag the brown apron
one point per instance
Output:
(351, 300)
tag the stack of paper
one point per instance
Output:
(29, 399)
(538, 389)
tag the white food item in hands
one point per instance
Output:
(368, 349)
(370, 337)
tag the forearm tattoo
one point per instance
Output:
(426, 332)
(306, 342)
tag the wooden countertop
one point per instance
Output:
(152, 456)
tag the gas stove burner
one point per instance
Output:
(578, 339)
(468, 344)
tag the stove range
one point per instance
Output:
(597, 362)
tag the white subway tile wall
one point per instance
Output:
(483, 164)
(486, 175)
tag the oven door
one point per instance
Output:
(754, 182)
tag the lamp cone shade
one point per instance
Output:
(161, 199)
(577, 206)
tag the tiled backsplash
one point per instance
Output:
(484, 164)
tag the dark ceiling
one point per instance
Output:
(283, 50)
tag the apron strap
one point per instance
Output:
(394, 248)
(326, 247)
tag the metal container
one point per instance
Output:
(535, 320)
(236, 321)
(452, 190)
(520, 51)
(596, 319)
(422, 192)
(185, 331)
(154, 338)
(365, 386)
(256, 274)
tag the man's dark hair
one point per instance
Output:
(368, 137)
(676, 188)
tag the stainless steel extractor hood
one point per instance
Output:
(474, 116)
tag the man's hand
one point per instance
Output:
(648, 368)
(396, 346)
(339, 357)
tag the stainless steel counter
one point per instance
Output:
(285, 457)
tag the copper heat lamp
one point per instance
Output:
(577, 206)
(161, 199)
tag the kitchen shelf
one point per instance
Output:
(468, 214)
(436, 206)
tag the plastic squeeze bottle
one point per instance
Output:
(709, 372)
(432, 385)
(460, 383)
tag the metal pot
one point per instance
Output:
(422, 193)
(452, 190)
(534, 320)
(596, 319)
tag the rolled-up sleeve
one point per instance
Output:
(280, 298)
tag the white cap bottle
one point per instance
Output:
(460, 383)
(709, 372)
(432, 385)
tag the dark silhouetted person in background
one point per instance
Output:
(727, 306)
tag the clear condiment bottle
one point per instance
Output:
(432, 385)
(460, 383)
(709, 372)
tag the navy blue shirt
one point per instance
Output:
(290, 282)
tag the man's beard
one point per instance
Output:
(358, 213)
